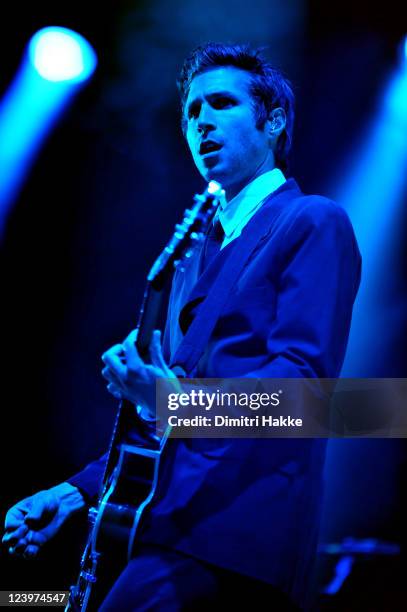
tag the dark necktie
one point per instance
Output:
(212, 243)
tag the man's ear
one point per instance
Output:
(276, 122)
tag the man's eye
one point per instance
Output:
(193, 112)
(222, 103)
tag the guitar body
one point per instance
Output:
(118, 519)
(136, 448)
(115, 524)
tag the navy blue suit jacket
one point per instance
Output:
(253, 505)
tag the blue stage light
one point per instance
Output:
(57, 63)
(371, 187)
(60, 54)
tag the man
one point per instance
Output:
(234, 517)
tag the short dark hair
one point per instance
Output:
(269, 87)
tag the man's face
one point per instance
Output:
(221, 129)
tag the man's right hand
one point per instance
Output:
(36, 519)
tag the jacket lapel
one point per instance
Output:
(194, 288)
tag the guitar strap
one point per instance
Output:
(259, 228)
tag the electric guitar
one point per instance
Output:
(133, 463)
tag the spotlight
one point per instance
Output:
(56, 64)
(60, 54)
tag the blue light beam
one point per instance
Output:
(55, 65)
(372, 193)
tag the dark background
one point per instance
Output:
(102, 198)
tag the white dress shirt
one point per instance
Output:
(235, 215)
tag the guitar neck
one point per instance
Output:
(187, 235)
(149, 317)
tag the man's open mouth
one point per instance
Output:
(209, 146)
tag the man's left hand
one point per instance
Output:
(129, 377)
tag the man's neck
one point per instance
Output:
(236, 213)
(233, 190)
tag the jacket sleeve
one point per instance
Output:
(319, 269)
(89, 480)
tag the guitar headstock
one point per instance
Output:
(188, 233)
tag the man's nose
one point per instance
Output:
(206, 120)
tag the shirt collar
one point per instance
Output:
(234, 213)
